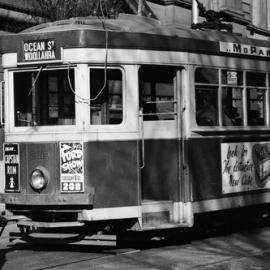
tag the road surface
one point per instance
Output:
(246, 250)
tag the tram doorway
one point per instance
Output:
(160, 139)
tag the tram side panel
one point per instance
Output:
(204, 168)
(111, 168)
(228, 174)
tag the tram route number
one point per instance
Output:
(71, 186)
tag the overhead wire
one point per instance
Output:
(106, 53)
(88, 100)
(34, 82)
(80, 99)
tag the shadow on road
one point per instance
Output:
(210, 239)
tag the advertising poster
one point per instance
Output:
(12, 165)
(71, 167)
(245, 166)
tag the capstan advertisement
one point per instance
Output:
(71, 167)
(245, 166)
(12, 165)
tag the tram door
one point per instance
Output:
(158, 86)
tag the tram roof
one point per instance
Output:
(128, 31)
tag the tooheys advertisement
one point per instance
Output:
(245, 166)
(71, 167)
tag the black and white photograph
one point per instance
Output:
(135, 135)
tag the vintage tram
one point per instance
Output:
(129, 124)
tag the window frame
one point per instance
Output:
(124, 118)
(147, 117)
(245, 90)
(82, 110)
(10, 101)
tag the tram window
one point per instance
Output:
(106, 91)
(206, 75)
(206, 96)
(231, 77)
(44, 98)
(157, 92)
(256, 79)
(230, 90)
(256, 90)
(232, 106)
(206, 105)
(232, 98)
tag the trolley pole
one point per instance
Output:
(140, 7)
(195, 12)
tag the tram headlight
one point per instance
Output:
(39, 179)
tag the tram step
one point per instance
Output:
(162, 226)
(4, 220)
(155, 213)
(36, 224)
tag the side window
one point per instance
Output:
(256, 90)
(156, 85)
(106, 96)
(232, 98)
(206, 96)
(44, 98)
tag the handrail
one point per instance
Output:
(159, 113)
(160, 101)
(142, 137)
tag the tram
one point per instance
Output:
(128, 124)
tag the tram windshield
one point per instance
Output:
(106, 101)
(44, 97)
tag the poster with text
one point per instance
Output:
(245, 166)
(71, 167)
(12, 166)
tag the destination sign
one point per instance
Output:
(39, 50)
(244, 49)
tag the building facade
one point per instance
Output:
(249, 17)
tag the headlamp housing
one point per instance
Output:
(39, 179)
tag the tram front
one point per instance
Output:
(66, 155)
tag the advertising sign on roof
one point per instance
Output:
(244, 49)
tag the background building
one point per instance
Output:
(249, 17)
